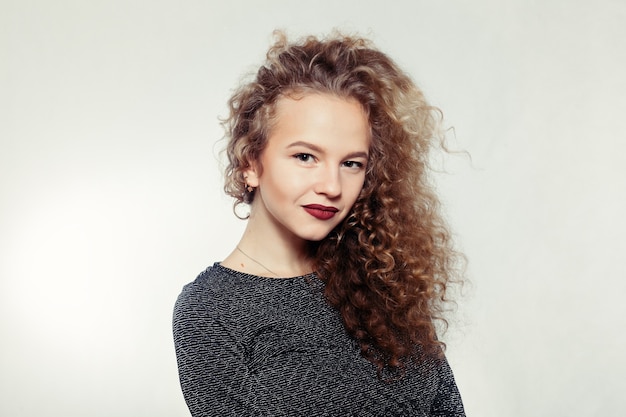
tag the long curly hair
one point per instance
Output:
(389, 264)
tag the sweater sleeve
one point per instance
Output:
(447, 402)
(213, 375)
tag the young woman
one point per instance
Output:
(329, 303)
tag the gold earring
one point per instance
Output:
(248, 188)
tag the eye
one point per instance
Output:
(304, 157)
(353, 164)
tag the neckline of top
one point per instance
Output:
(241, 274)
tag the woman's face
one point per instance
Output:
(313, 166)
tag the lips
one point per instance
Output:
(320, 212)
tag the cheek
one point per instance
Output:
(281, 182)
(355, 188)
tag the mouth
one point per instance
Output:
(321, 212)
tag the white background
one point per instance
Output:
(110, 193)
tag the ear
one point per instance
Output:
(251, 175)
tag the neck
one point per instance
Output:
(270, 252)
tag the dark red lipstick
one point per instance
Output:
(320, 212)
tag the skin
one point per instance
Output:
(315, 158)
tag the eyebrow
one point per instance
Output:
(316, 148)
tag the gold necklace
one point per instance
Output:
(256, 262)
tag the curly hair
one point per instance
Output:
(389, 264)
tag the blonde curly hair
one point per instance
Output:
(388, 265)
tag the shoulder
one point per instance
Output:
(210, 286)
(207, 302)
(210, 279)
(230, 297)
(222, 291)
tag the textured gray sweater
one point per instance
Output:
(255, 346)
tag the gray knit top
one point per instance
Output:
(254, 346)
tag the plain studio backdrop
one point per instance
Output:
(111, 192)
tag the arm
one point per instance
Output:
(447, 402)
(213, 375)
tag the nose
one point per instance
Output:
(328, 182)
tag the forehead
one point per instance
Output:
(313, 109)
(316, 116)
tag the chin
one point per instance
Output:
(315, 237)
